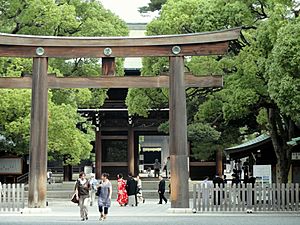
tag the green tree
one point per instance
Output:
(55, 18)
(152, 6)
(64, 137)
(255, 94)
(61, 18)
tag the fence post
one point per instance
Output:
(264, 201)
(18, 197)
(270, 191)
(13, 197)
(221, 197)
(194, 197)
(22, 195)
(292, 197)
(9, 196)
(4, 197)
(288, 200)
(283, 196)
(1, 196)
(297, 196)
(199, 197)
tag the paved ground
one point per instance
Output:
(66, 213)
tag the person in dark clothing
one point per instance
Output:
(235, 179)
(251, 180)
(224, 179)
(156, 167)
(161, 190)
(82, 191)
(131, 188)
(218, 182)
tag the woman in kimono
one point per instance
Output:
(104, 199)
(122, 193)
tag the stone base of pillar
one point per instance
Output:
(36, 210)
(180, 210)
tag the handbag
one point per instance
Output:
(74, 199)
(98, 191)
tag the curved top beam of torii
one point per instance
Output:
(206, 43)
(179, 39)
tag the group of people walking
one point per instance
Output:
(103, 190)
(129, 193)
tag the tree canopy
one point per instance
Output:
(152, 6)
(261, 71)
(55, 18)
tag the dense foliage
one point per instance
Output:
(55, 18)
(261, 71)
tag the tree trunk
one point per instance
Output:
(67, 173)
(280, 135)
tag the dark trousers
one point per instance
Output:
(156, 172)
(162, 197)
(103, 208)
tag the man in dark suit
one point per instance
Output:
(131, 188)
(161, 190)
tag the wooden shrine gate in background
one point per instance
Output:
(173, 46)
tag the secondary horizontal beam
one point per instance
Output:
(112, 82)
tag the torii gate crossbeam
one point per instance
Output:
(40, 48)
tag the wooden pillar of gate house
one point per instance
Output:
(38, 135)
(131, 161)
(178, 135)
(219, 162)
(98, 154)
(108, 69)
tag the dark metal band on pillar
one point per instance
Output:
(178, 135)
(38, 135)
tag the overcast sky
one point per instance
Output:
(128, 10)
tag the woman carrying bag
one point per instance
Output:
(104, 196)
(82, 192)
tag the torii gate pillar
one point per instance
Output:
(178, 135)
(38, 135)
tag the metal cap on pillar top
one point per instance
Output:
(174, 46)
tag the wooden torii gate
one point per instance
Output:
(40, 48)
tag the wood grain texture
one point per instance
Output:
(108, 66)
(66, 51)
(37, 188)
(44, 41)
(112, 82)
(178, 135)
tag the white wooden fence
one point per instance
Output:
(233, 198)
(11, 197)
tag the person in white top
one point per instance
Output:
(93, 183)
(139, 190)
